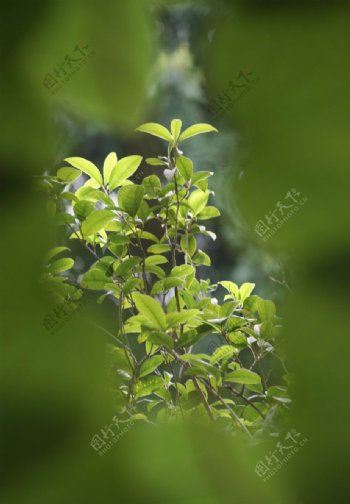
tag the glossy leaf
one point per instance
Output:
(196, 129)
(124, 168)
(185, 167)
(87, 167)
(176, 125)
(96, 221)
(151, 309)
(108, 165)
(157, 130)
(129, 198)
(150, 365)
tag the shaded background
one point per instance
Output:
(153, 61)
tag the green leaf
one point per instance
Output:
(196, 129)
(201, 258)
(245, 290)
(161, 339)
(68, 174)
(231, 287)
(83, 209)
(182, 271)
(243, 376)
(129, 198)
(197, 200)
(124, 168)
(87, 167)
(185, 167)
(148, 385)
(96, 221)
(158, 248)
(237, 338)
(127, 265)
(176, 318)
(152, 185)
(223, 352)
(54, 252)
(155, 259)
(108, 165)
(157, 130)
(151, 309)
(210, 212)
(176, 125)
(118, 239)
(61, 265)
(266, 309)
(156, 270)
(150, 365)
(94, 279)
(155, 162)
(188, 244)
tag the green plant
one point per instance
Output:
(163, 364)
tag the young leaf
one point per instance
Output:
(68, 175)
(83, 209)
(188, 244)
(151, 309)
(54, 252)
(121, 171)
(150, 365)
(176, 125)
(157, 130)
(161, 339)
(243, 376)
(155, 162)
(208, 213)
(127, 265)
(185, 167)
(155, 259)
(94, 279)
(129, 198)
(61, 265)
(158, 248)
(96, 221)
(196, 129)
(266, 309)
(245, 290)
(197, 200)
(223, 352)
(176, 318)
(108, 165)
(87, 167)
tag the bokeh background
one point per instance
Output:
(273, 77)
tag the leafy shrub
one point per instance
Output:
(180, 352)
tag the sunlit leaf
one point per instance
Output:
(121, 171)
(157, 130)
(96, 221)
(87, 167)
(196, 129)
